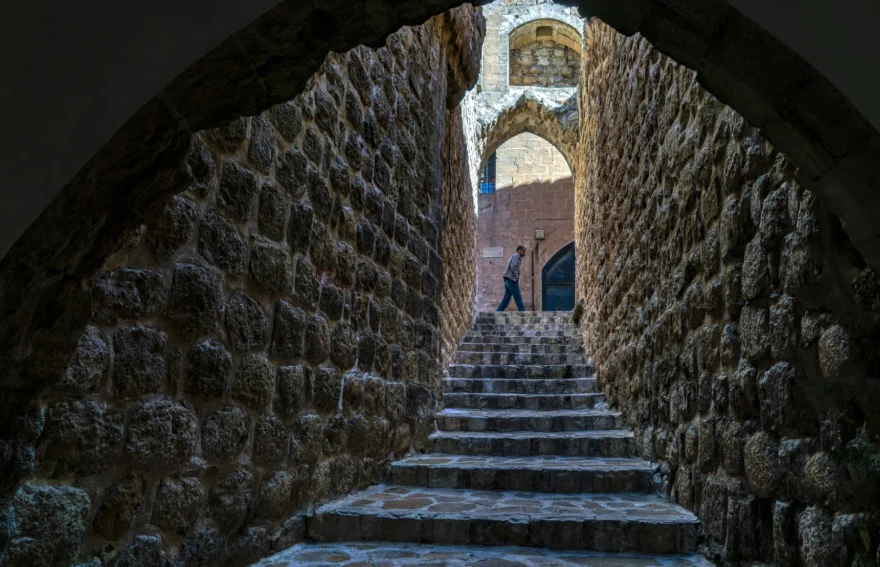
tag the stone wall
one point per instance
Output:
(545, 53)
(528, 158)
(508, 19)
(458, 238)
(545, 64)
(276, 337)
(534, 190)
(729, 315)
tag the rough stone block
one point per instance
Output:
(117, 512)
(128, 293)
(221, 243)
(196, 300)
(177, 503)
(208, 368)
(271, 441)
(273, 212)
(161, 435)
(49, 524)
(289, 330)
(245, 322)
(238, 188)
(776, 397)
(80, 436)
(762, 465)
(230, 499)
(308, 437)
(225, 433)
(271, 268)
(254, 382)
(139, 361)
(327, 388)
(306, 291)
(293, 392)
(317, 339)
(174, 228)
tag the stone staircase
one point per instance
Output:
(527, 455)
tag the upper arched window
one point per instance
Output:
(545, 53)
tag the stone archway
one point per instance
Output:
(129, 180)
(532, 112)
(135, 173)
(506, 21)
(544, 52)
(534, 192)
(496, 117)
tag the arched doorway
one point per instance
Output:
(557, 281)
(532, 195)
(544, 53)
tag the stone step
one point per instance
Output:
(600, 522)
(387, 554)
(550, 327)
(522, 348)
(604, 443)
(528, 474)
(522, 401)
(511, 317)
(520, 370)
(468, 357)
(477, 338)
(512, 332)
(521, 385)
(527, 420)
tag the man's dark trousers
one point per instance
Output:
(511, 289)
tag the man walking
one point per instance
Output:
(511, 280)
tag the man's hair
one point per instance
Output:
(520, 247)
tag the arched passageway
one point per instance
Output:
(738, 61)
(531, 204)
(546, 53)
(130, 183)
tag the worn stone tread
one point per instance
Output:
(387, 554)
(521, 385)
(521, 401)
(525, 413)
(521, 348)
(471, 338)
(601, 522)
(602, 443)
(455, 419)
(536, 463)
(506, 358)
(520, 370)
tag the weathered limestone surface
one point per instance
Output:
(732, 321)
(545, 52)
(277, 335)
(512, 25)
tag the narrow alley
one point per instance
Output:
(258, 327)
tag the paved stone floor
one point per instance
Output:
(528, 462)
(409, 555)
